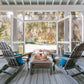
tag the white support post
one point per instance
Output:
(24, 31)
(14, 32)
(83, 26)
(57, 37)
(66, 31)
(70, 34)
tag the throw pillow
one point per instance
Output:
(19, 59)
(62, 62)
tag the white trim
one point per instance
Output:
(63, 18)
(75, 2)
(39, 21)
(82, 28)
(24, 32)
(12, 33)
(18, 42)
(70, 32)
(62, 42)
(7, 2)
(60, 2)
(68, 1)
(42, 7)
(15, 2)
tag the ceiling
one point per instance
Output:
(41, 2)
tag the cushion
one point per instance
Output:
(19, 59)
(62, 62)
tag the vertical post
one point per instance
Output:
(66, 30)
(82, 26)
(14, 35)
(70, 34)
(57, 18)
(24, 32)
(57, 37)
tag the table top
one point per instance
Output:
(41, 61)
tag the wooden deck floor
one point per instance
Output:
(41, 76)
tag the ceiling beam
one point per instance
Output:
(75, 2)
(23, 2)
(45, 2)
(82, 2)
(60, 2)
(42, 7)
(37, 2)
(15, 2)
(68, 1)
(30, 2)
(53, 2)
(7, 2)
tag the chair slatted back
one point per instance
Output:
(76, 53)
(8, 54)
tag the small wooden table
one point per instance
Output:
(36, 64)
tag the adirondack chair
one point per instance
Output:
(71, 61)
(12, 60)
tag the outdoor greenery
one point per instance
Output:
(40, 32)
(5, 26)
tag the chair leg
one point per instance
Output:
(53, 67)
(31, 71)
(67, 72)
(77, 74)
(12, 76)
(7, 72)
(51, 71)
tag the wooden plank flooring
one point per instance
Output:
(42, 76)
